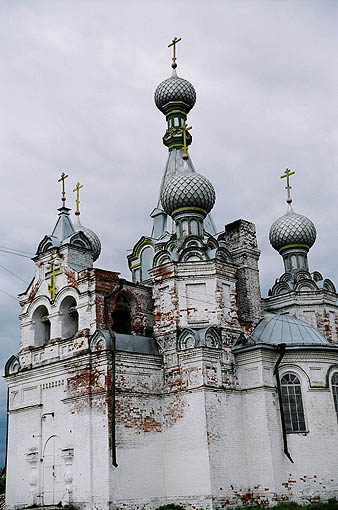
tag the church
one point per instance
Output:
(182, 385)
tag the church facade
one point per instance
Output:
(182, 385)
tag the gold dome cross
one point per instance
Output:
(173, 44)
(287, 174)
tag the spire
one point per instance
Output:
(175, 97)
(64, 227)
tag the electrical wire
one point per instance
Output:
(15, 253)
(17, 250)
(13, 274)
(10, 295)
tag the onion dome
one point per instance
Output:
(175, 90)
(92, 237)
(292, 229)
(189, 191)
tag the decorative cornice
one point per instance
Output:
(293, 246)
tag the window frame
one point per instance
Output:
(300, 384)
(334, 396)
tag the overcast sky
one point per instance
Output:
(76, 92)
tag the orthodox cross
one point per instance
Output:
(173, 44)
(184, 130)
(77, 201)
(62, 179)
(287, 174)
(50, 275)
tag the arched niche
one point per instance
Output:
(41, 326)
(122, 314)
(147, 256)
(69, 317)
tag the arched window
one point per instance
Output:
(69, 317)
(122, 315)
(293, 410)
(146, 262)
(41, 326)
(334, 386)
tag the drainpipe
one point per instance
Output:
(107, 322)
(279, 392)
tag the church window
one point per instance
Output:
(293, 410)
(69, 317)
(41, 326)
(122, 315)
(334, 386)
(146, 262)
(185, 228)
(293, 262)
(194, 227)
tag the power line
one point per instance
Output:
(15, 253)
(17, 250)
(10, 295)
(13, 274)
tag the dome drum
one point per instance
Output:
(295, 257)
(191, 225)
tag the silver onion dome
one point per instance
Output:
(174, 90)
(92, 237)
(188, 190)
(290, 229)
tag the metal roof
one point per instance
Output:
(276, 329)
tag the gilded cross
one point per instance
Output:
(184, 130)
(77, 201)
(50, 275)
(287, 174)
(62, 179)
(173, 44)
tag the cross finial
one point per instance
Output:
(62, 179)
(173, 44)
(77, 201)
(183, 129)
(287, 174)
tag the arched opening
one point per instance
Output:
(334, 387)
(41, 325)
(53, 469)
(69, 317)
(146, 262)
(122, 315)
(293, 409)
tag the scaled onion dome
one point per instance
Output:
(292, 229)
(175, 90)
(188, 190)
(92, 237)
